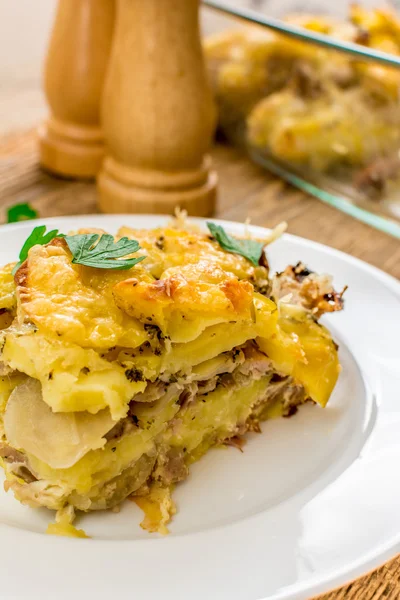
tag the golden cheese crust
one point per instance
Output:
(202, 292)
(185, 276)
(7, 288)
(67, 301)
(168, 247)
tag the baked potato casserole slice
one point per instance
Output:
(112, 382)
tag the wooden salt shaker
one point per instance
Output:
(158, 115)
(71, 141)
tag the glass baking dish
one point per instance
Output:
(314, 97)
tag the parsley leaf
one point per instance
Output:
(250, 249)
(21, 212)
(37, 237)
(90, 251)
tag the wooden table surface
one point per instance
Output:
(245, 191)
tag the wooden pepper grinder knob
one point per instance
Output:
(158, 114)
(71, 141)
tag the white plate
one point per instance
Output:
(312, 503)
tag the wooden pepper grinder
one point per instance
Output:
(71, 141)
(158, 114)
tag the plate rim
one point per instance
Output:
(297, 591)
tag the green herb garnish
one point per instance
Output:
(37, 237)
(250, 249)
(87, 249)
(90, 251)
(21, 212)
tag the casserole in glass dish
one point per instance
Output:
(314, 97)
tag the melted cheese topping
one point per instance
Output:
(187, 300)
(97, 342)
(7, 288)
(62, 299)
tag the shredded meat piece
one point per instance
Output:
(229, 363)
(18, 463)
(153, 392)
(236, 442)
(257, 364)
(253, 425)
(227, 380)
(11, 455)
(188, 395)
(171, 467)
(310, 290)
(292, 397)
(290, 394)
(205, 387)
(25, 474)
(273, 391)
(121, 428)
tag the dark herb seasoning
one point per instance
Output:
(134, 375)
(85, 370)
(160, 243)
(153, 330)
(236, 354)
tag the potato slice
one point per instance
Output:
(58, 439)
